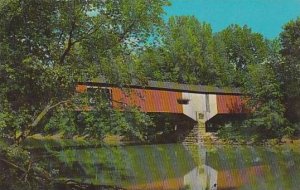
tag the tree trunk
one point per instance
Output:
(24, 134)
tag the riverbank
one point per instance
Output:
(58, 140)
(212, 139)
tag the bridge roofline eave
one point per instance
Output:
(206, 89)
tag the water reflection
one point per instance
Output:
(178, 167)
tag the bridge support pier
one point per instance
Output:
(201, 131)
(196, 135)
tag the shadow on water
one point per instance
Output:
(174, 167)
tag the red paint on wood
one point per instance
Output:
(230, 104)
(148, 100)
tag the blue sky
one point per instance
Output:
(264, 16)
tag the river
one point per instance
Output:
(176, 167)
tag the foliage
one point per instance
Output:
(46, 47)
(61, 121)
(18, 171)
(190, 53)
(232, 132)
(131, 123)
(289, 70)
(267, 98)
(185, 54)
(290, 41)
(96, 118)
(242, 47)
(265, 101)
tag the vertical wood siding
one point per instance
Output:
(230, 104)
(148, 100)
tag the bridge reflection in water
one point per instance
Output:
(177, 167)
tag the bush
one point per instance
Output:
(19, 172)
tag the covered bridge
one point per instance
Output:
(198, 103)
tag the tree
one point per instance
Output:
(46, 47)
(190, 53)
(265, 100)
(289, 70)
(20, 171)
(242, 48)
(185, 55)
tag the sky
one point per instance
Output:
(264, 16)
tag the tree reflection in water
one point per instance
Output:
(178, 167)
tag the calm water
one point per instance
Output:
(178, 167)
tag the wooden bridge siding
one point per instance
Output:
(230, 104)
(148, 100)
(166, 101)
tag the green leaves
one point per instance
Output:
(266, 100)
(268, 78)
(289, 70)
(190, 53)
(185, 55)
(242, 48)
(46, 47)
(18, 171)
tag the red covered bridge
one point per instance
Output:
(197, 102)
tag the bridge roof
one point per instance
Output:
(192, 88)
(170, 86)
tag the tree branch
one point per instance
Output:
(89, 32)
(45, 111)
(69, 45)
(35, 174)
(13, 165)
(60, 37)
(127, 30)
(38, 119)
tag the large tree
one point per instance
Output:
(289, 70)
(265, 100)
(46, 47)
(242, 47)
(185, 53)
(189, 52)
